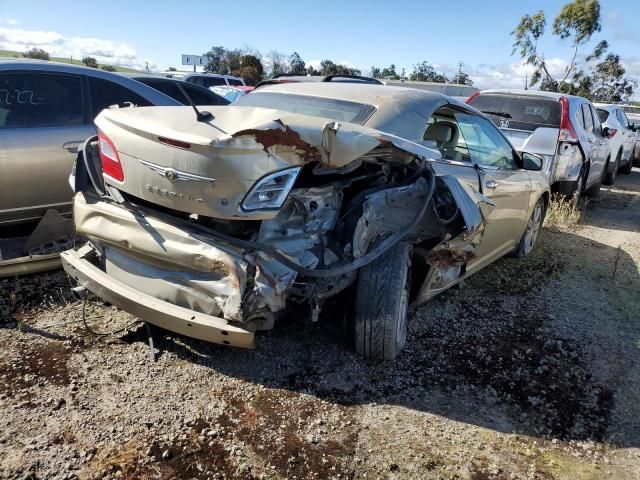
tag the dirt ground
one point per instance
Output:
(530, 370)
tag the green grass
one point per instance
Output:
(11, 53)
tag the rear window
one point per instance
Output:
(234, 82)
(105, 93)
(207, 81)
(200, 96)
(340, 110)
(519, 112)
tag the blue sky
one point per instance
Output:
(358, 33)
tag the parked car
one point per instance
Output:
(290, 78)
(210, 79)
(622, 139)
(564, 129)
(46, 113)
(231, 94)
(298, 194)
(633, 114)
(169, 86)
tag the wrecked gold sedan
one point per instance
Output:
(213, 223)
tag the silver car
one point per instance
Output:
(215, 222)
(622, 139)
(46, 113)
(564, 129)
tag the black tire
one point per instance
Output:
(381, 304)
(626, 170)
(610, 174)
(531, 231)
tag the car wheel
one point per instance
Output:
(611, 174)
(531, 231)
(626, 170)
(381, 304)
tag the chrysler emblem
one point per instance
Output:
(174, 175)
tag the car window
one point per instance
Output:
(588, 121)
(207, 81)
(40, 100)
(105, 93)
(235, 82)
(202, 96)
(597, 124)
(622, 118)
(464, 137)
(603, 114)
(520, 112)
(341, 110)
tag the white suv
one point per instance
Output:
(213, 80)
(622, 138)
(564, 129)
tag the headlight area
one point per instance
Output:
(270, 192)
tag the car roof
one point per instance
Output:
(154, 96)
(399, 110)
(202, 74)
(607, 106)
(534, 93)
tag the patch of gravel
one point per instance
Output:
(530, 370)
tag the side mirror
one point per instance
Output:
(605, 132)
(635, 126)
(531, 161)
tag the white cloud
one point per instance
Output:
(105, 51)
(615, 21)
(9, 21)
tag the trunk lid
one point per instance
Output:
(171, 159)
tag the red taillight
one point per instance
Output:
(174, 143)
(472, 97)
(109, 158)
(567, 132)
(612, 132)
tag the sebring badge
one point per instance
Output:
(174, 175)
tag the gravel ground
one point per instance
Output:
(530, 370)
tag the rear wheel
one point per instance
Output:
(531, 231)
(381, 304)
(626, 170)
(611, 171)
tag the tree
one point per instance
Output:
(108, 68)
(38, 53)
(577, 22)
(215, 59)
(277, 62)
(172, 69)
(424, 72)
(231, 61)
(296, 65)
(390, 73)
(90, 62)
(375, 72)
(251, 69)
(312, 71)
(462, 78)
(608, 83)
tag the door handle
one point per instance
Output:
(72, 146)
(492, 183)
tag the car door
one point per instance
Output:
(601, 144)
(628, 135)
(502, 180)
(43, 121)
(591, 145)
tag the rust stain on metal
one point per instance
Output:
(446, 258)
(281, 136)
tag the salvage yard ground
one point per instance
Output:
(531, 370)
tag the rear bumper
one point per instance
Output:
(152, 310)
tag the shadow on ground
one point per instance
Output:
(486, 355)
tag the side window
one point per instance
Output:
(204, 97)
(580, 117)
(597, 124)
(235, 82)
(486, 145)
(40, 100)
(105, 93)
(622, 118)
(465, 137)
(588, 121)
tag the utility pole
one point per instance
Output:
(146, 64)
(457, 79)
(526, 82)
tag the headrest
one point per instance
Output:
(440, 132)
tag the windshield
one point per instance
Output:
(519, 112)
(339, 110)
